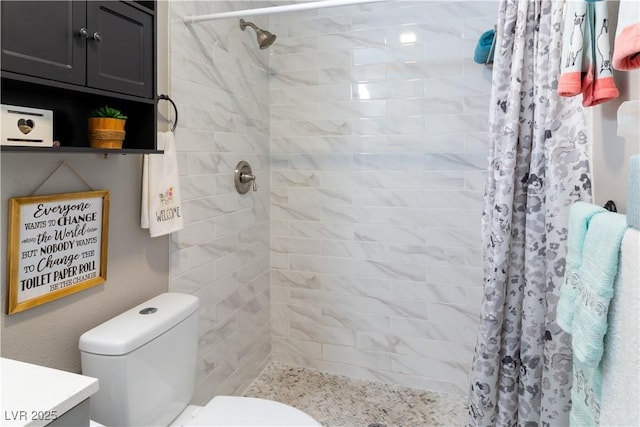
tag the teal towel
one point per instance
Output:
(596, 276)
(580, 214)
(633, 193)
(483, 53)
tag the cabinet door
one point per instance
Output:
(42, 39)
(121, 57)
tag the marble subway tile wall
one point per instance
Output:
(219, 80)
(379, 120)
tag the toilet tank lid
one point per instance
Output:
(139, 325)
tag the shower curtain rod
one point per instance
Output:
(275, 9)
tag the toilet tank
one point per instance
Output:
(145, 361)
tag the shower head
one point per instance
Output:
(265, 38)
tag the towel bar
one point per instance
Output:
(175, 109)
(610, 206)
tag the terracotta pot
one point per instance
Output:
(106, 132)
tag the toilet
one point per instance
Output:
(145, 361)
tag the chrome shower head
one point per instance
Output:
(265, 38)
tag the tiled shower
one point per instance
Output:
(359, 254)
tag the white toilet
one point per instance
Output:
(145, 361)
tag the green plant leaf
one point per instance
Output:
(107, 111)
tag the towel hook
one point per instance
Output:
(175, 109)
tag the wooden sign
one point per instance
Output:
(57, 246)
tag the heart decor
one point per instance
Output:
(26, 125)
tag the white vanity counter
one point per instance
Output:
(33, 395)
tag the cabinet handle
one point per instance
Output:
(97, 37)
(83, 33)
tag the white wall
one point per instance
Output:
(219, 80)
(378, 152)
(610, 153)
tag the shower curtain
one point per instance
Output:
(521, 373)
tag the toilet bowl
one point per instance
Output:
(145, 361)
(244, 411)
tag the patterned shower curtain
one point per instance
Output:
(521, 374)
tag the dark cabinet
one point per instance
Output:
(104, 45)
(41, 38)
(120, 48)
(71, 56)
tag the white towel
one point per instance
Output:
(620, 405)
(161, 210)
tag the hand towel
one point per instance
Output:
(161, 209)
(633, 193)
(598, 86)
(620, 405)
(596, 276)
(573, 45)
(483, 53)
(626, 47)
(580, 214)
(586, 53)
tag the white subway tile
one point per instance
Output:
(290, 245)
(322, 230)
(436, 369)
(296, 279)
(279, 261)
(454, 200)
(366, 286)
(352, 40)
(319, 26)
(456, 314)
(463, 276)
(354, 320)
(395, 198)
(295, 179)
(384, 16)
(320, 264)
(297, 313)
(322, 334)
(428, 292)
(390, 270)
(284, 212)
(352, 356)
(282, 345)
(324, 196)
(437, 329)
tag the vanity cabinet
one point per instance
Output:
(71, 56)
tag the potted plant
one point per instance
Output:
(106, 128)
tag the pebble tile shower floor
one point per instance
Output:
(336, 400)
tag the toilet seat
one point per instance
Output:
(249, 411)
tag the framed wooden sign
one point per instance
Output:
(57, 246)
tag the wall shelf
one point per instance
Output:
(69, 150)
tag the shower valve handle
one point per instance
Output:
(247, 177)
(244, 178)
